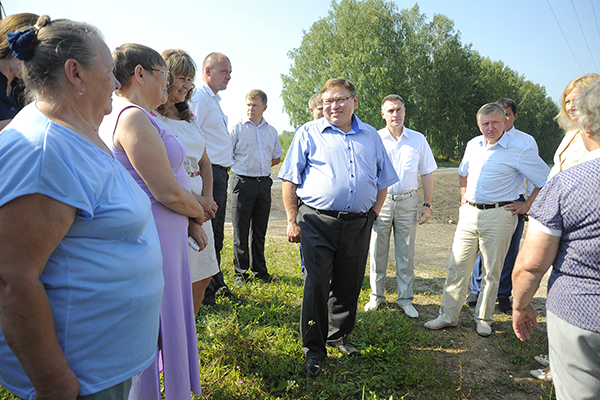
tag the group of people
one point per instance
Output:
(107, 200)
(112, 213)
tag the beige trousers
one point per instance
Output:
(490, 232)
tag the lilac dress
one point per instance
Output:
(177, 352)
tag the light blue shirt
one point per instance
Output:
(335, 170)
(494, 172)
(104, 280)
(254, 147)
(530, 140)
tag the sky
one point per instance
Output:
(549, 42)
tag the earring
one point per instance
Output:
(81, 93)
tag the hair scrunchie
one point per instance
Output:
(20, 43)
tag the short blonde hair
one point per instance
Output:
(257, 93)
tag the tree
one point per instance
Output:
(443, 82)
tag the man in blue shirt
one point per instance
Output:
(489, 176)
(338, 170)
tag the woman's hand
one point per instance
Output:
(523, 322)
(196, 231)
(209, 206)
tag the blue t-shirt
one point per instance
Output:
(104, 280)
(569, 202)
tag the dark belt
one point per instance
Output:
(341, 215)
(256, 178)
(483, 206)
(226, 169)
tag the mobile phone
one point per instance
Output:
(193, 243)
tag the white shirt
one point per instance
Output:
(530, 140)
(493, 172)
(205, 107)
(569, 153)
(254, 147)
(410, 156)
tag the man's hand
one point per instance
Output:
(424, 215)
(517, 207)
(523, 322)
(293, 232)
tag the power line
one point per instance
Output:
(595, 19)
(584, 38)
(565, 36)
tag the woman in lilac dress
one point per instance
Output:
(154, 157)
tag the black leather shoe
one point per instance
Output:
(344, 347)
(313, 367)
(269, 278)
(504, 305)
(472, 300)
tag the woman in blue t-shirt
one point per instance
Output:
(80, 261)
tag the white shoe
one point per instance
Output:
(411, 311)
(542, 359)
(483, 328)
(438, 323)
(372, 305)
(541, 375)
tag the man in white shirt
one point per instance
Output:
(216, 73)
(256, 149)
(489, 176)
(505, 288)
(411, 156)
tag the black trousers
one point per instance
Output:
(335, 255)
(250, 209)
(220, 180)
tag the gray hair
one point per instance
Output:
(491, 108)
(588, 107)
(57, 41)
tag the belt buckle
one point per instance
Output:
(343, 215)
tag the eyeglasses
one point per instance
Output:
(165, 73)
(339, 100)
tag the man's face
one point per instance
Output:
(338, 107)
(510, 118)
(393, 112)
(218, 76)
(255, 109)
(492, 126)
(317, 112)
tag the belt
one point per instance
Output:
(226, 169)
(402, 196)
(193, 174)
(341, 215)
(482, 206)
(257, 178)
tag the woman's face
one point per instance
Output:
(180, 88)
(102, 82)
(157, 82)
(570, 103)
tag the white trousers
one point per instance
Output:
(488, 231)
(399, 213)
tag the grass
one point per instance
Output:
(253, 351)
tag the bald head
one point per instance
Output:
(216, 71)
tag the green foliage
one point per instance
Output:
(285, 139)
(443, 82)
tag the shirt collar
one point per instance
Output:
(262, 122)
(357, 125)
(210, 92)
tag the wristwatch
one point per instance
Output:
(427, 205)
